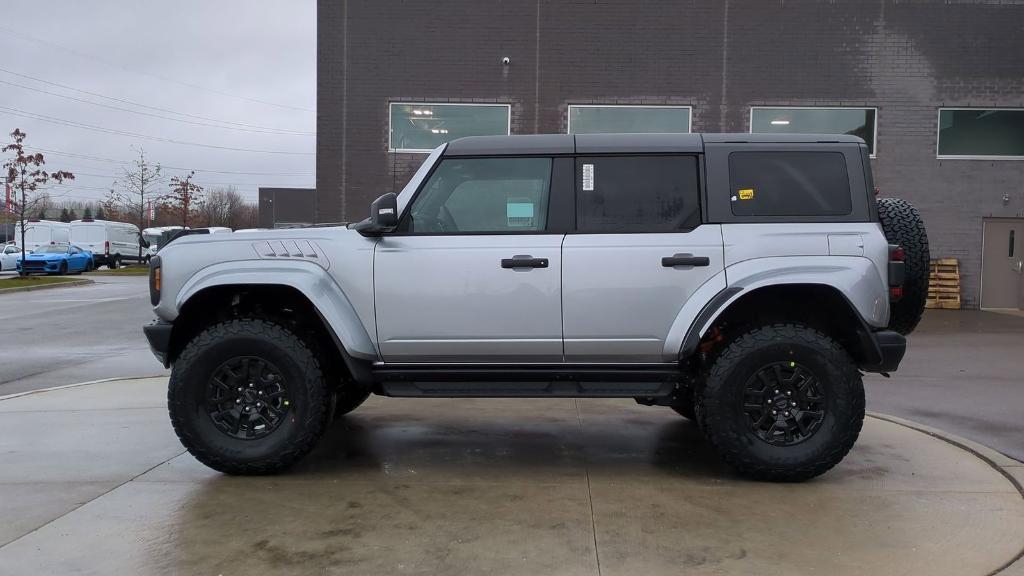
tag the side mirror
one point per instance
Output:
(383, 216)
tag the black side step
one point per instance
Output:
(461, 381)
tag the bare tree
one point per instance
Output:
(185, 195)
(26, 174)
(135, 192)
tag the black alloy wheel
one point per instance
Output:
(247, 398)
(784, 403)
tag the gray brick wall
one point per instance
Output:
(905, 58)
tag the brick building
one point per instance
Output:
(896, 73)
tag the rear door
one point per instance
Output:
(638, 254)
(473, 273)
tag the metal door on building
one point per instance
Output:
(1002, 262)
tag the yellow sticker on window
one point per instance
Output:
(747, 194)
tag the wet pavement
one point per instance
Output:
(963, 373)
(93, 481)
(73, 334)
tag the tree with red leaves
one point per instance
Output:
(184, 196)
(26, 175)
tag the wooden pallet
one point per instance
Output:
(944, 284)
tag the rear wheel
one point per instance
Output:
(114, 262)
(902, 225)
(782, 403)
(247, 397)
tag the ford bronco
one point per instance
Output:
(744, 281)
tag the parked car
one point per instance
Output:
(9, 257)
(43, 233)
(57, 259)
(746, 281)
(110, 242)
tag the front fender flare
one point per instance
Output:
(309, 279)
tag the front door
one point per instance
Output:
(473, 273)
(1002, 260)
(639, 253)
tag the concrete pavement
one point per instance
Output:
(73, 334)
(963, 373)
(93, 481)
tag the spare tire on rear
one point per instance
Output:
(902, 225)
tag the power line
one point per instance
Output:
(114, 161)
(151, 115)
(145, 73)
(73, 124)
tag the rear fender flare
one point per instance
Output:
(855, 277)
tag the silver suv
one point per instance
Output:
(745, 281)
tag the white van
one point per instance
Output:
(110, 242)
(42, 232)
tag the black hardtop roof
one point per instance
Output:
(621, 143)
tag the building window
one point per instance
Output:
(862, 122)
(981, 133)
(789, 184)
(610, 199)
(595, 119)
(421, 127)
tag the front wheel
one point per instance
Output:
(247, 397)
(782, 403)
(63, 269)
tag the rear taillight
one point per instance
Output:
(897, 272)
(106, 247)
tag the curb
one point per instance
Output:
(75, 282)
(76, 385)
(997, 460)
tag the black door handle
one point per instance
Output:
(524, 262)
(685, 260)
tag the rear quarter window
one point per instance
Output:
(770, 183)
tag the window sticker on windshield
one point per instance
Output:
(519, 214)
(747, 194)
(588, 177)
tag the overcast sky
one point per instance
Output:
(244, 68)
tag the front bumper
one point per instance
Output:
(890, 347)
(39, 266)
(158, 333)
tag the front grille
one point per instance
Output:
(34, 264)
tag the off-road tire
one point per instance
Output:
(307, 391)
(728, 428)
(349, 397)
(902, 225)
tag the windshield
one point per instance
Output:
(51, 249)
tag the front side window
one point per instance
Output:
(619, 194)
(419, 127)
(483, 195)
(853, 121)
(789, 184)
(590, 119)
(973, 132)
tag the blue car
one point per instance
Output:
(57, 259)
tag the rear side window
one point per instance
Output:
(617, 194)
(789, 184)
